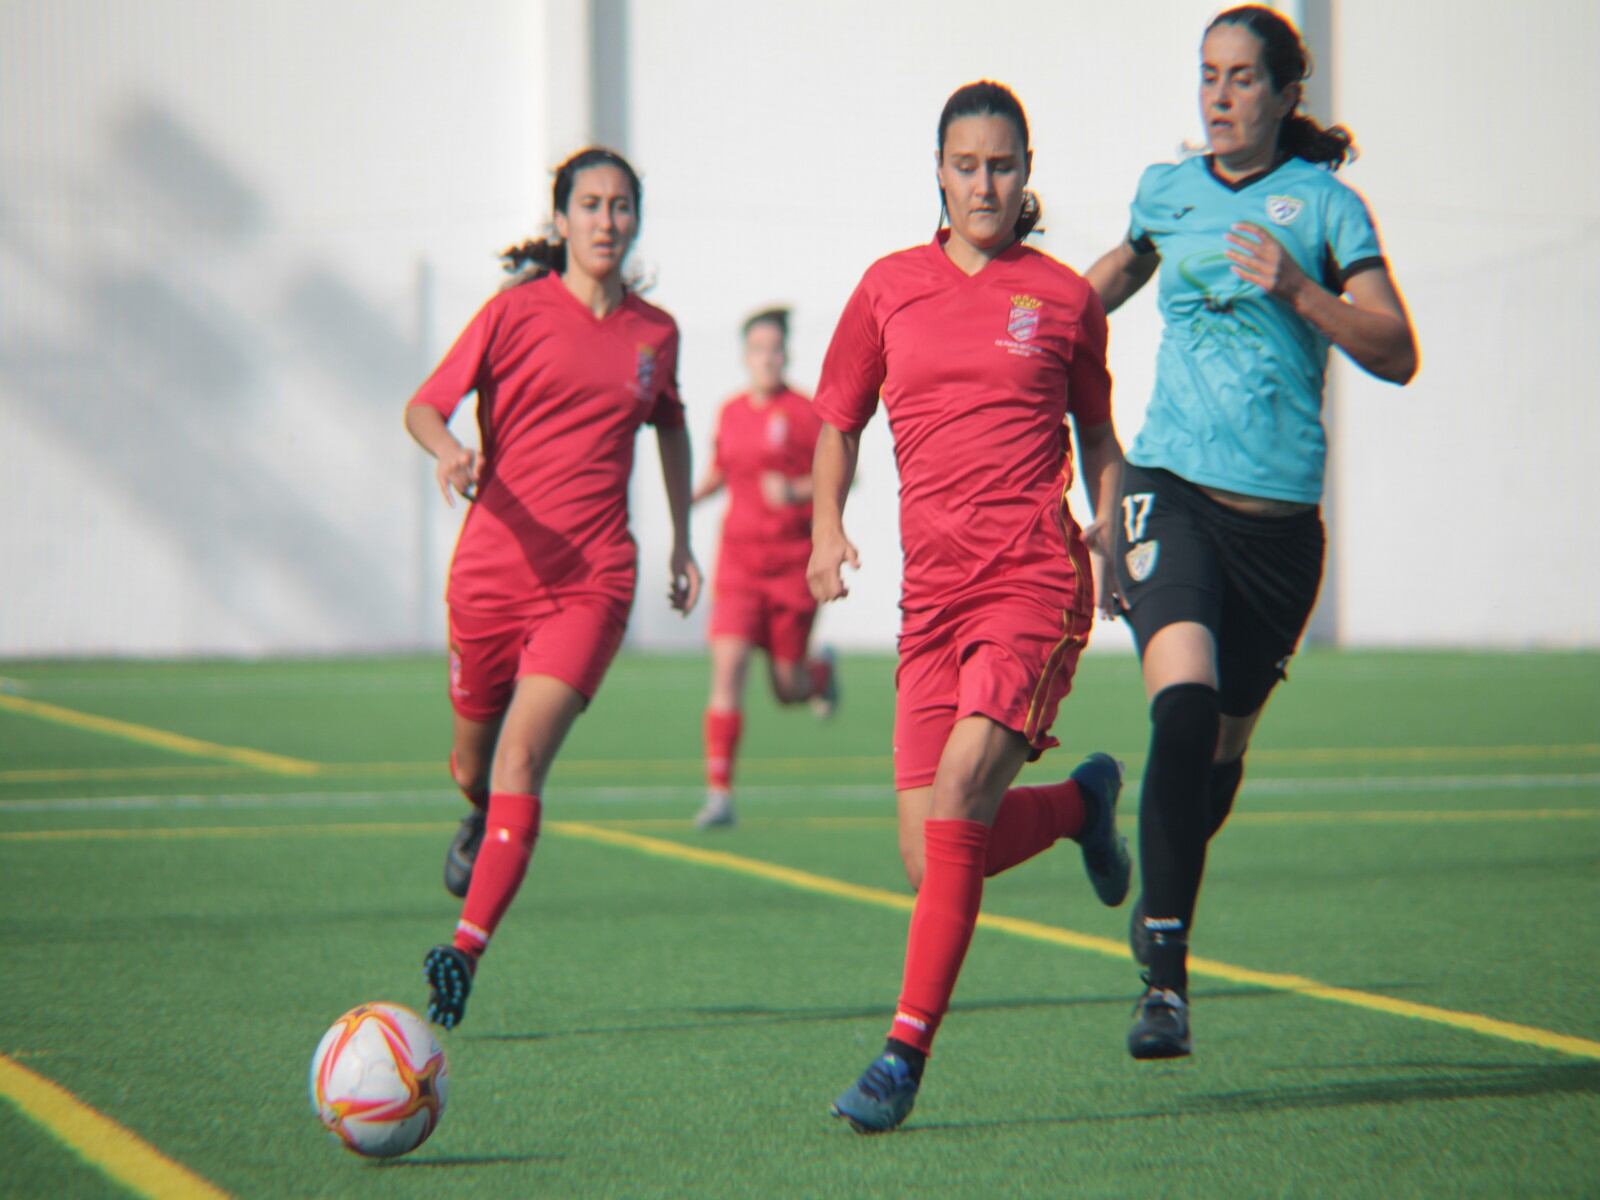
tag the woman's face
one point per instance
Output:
(765, 356)
(983, 169)
(1240, 109)
(600, 222)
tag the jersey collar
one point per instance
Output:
(1239, 185)
(1010, 254)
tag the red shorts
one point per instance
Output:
(573, 641)
(1010, 659)
(782, 630)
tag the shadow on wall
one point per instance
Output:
(166, 377)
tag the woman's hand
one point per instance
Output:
(824, 573)
(1259, 257)
(1102, 548)
(776, 489)
(458, 470)
(685, 591)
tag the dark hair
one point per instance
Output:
(1287, 61)
(536, 257)
(767, 316)
(985, 98)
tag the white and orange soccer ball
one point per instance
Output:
(378, 1080)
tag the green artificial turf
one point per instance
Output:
(1424, 827)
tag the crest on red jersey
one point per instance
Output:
(1024, 320)
(777, 430)
(646, 375)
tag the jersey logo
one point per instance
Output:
(1179, 214)
(1284, 209)
(646, 372)
(1141, 561)
(777, 431)
(1024, 321)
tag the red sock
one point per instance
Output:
(478, 797)
(820, 671)
(941, 926)
(1030, 820)
(723, 727)
(508, 839)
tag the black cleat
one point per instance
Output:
(1160, 1025)
(1105, 851)
(463, 853)
(449, 975)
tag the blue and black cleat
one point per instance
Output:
(449, 975)
(1160, 1025)
(881, 1098)
(463, 853)
(1105, 851)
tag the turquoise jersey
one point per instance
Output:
(1238, 398)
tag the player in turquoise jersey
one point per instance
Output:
(1265, 261)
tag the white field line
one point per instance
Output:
(1339, 785)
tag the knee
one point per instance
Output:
(519, 768)
(1186, 720)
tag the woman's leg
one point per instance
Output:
(979, 761)
(471, 752)
(542, 711)
(724, 722)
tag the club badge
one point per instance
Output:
(777, 431)
(1141, 560)
(645, 375)
(1282, 210)
(1024, 320)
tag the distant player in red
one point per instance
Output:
(567, 364)
(980, 348)
(764, 443)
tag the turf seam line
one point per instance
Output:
(112, 1149)
(177, 743)
(1055, 935)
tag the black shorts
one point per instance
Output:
(1250, 580)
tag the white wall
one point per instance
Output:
(1467, 500)
(786, 146)
(213, 220)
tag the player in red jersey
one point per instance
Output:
(567, 363)
(764, 444)
(981, 348)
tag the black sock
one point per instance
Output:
(1174, 816)
(1225, 779)
(910, 1055)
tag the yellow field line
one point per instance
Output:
(1054, 935)
(163, 739)
(98, 1140)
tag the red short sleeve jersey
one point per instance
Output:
(978, 375)
(779, 435)
(561, 395)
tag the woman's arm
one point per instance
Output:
(673, 442)
(710, 484)
(1119, 273)
(459, 467)
(1100, 453)
(1371, 326)
(832, 469)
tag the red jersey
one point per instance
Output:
(561, 396)
(978, 374)
(781, 436)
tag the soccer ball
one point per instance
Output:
(378, 1080)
